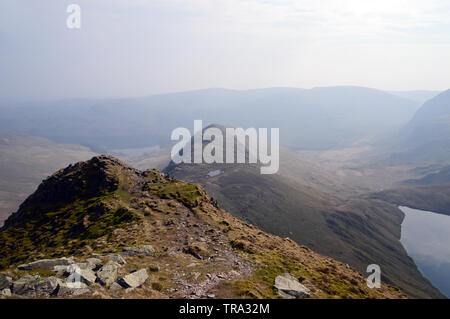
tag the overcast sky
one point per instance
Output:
(141, 47)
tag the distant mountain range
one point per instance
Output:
(315, 119)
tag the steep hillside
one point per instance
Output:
(25, 161)
(174, 236)
(356, 231)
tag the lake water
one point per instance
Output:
(426, 238)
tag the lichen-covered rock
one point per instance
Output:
(46, 263)
(290, 288)
(134, 279)
(25, 286)
(5, 282)
(60, 270)
(46, 287)
(69, 290)
(143, 250)
(93, 263)
(90, 264)
(108, 274)
(77, 274)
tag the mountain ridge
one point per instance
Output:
(121, 207)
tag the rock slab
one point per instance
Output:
(46, 263)
(290, 288)
(108, 274)
(134, 279)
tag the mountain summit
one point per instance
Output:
(136, 234)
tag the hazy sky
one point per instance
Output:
(140, 47)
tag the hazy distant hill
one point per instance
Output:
(319, 118)
(427, 136)
(25, 161)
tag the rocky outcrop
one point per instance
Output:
(79, 276)
(290, 288)
(134, 279)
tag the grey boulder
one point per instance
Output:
(290, 288)
(134, 279)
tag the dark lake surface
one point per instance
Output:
(426, 238)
